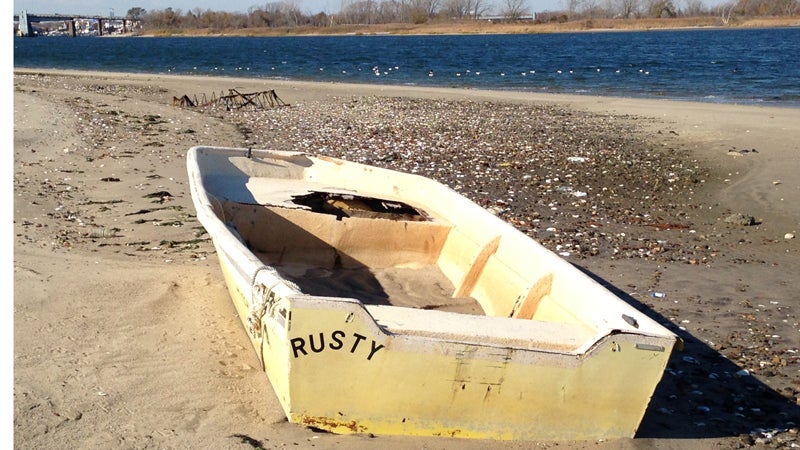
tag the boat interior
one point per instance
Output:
(386, 252)
(405, 247)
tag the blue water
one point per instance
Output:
(730, 66)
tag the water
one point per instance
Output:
(752, 66)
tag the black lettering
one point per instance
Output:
(336, 337)
(374, 349)
(298, 345)
(359, 338)
(321, 343)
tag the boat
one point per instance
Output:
(386, 303)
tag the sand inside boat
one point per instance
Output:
(423, 287)
(368, 258)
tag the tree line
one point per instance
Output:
(289, 13)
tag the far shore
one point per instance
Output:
(494, 27)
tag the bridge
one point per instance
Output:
(26, 20)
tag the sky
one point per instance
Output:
(121, 7)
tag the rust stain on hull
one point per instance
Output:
(327, 423)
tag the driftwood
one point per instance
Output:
(233, 100)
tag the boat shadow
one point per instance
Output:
(358, 283)
(703, 394)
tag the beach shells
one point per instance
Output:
(102, 232)
(601, 181)
(740, 219)
(594, 178)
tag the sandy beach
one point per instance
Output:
(125, 336)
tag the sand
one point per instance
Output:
(125, 337)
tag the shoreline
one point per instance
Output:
(758, 103)
(503, 93)
(93, 359)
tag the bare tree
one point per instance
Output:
(257, 17)
(628, 9)
(695, 8)
(591, 9)
(480, 7)
(419, 11)
(726, 10)
(789, 7)
(167, 18)
(457, 9)
(434, 7)
(460, 9)
(361, 12)
(514, 9)
(575, 7)
(135, 13)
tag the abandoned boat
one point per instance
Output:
(384, 302)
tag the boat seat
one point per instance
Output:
(483, 330)
(526, 305)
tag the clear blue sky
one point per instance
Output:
(121, 7)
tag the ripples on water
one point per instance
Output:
(731, 66)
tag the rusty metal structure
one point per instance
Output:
(232, 100)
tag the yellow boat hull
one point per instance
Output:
(333, 368)
(555, 356)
